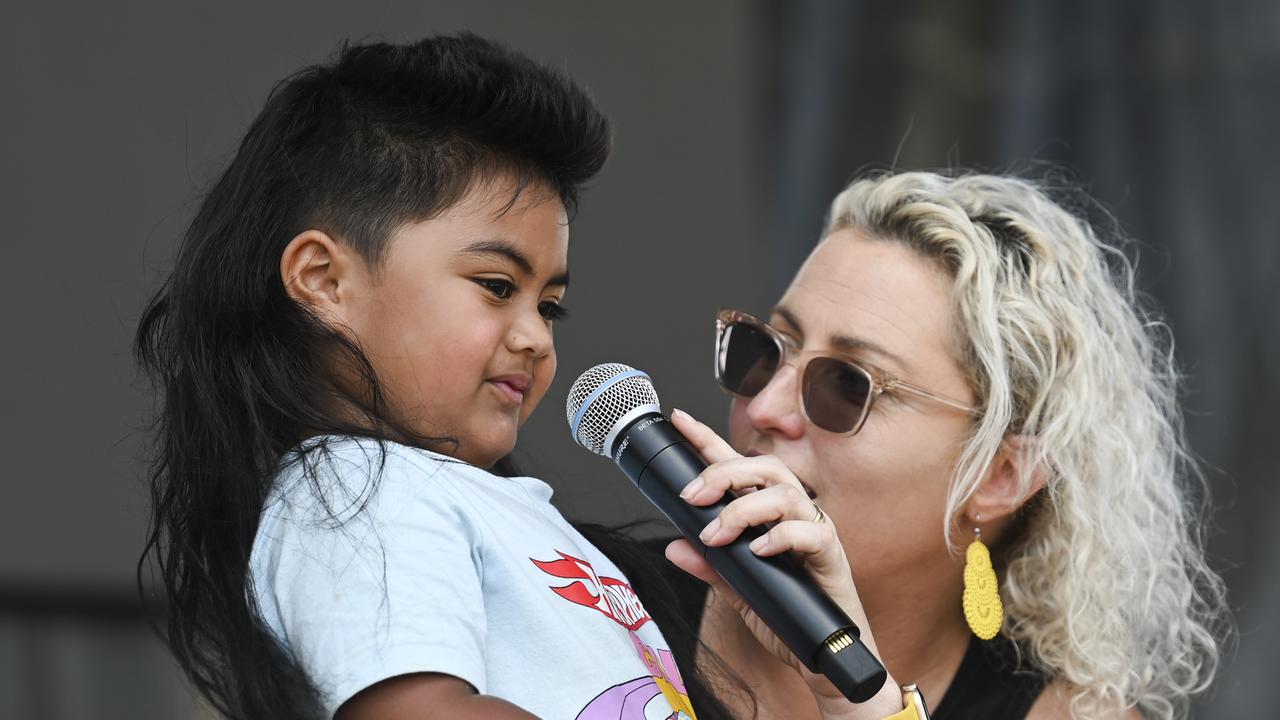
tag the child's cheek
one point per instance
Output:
(544, 372)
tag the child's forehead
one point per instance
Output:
(504, 194)
(525, 227)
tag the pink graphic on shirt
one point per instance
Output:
(661, 665)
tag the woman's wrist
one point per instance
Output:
(881, 705)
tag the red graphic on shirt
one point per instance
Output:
(612, 597)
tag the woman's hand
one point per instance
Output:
(770, 493)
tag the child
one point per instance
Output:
(358, 321)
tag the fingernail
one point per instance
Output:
(709, 531)
(678, 413)
(759, 543)
(692, 488)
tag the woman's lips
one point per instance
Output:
(808, 490)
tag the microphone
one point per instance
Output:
(613, 411)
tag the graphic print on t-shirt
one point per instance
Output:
(616, 600)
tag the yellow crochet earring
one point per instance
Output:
(982, 607)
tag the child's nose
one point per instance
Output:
(531, 333)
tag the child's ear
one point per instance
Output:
(1017, 473)
(320, 273)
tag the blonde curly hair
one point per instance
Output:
(1104, 579)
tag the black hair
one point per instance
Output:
(382, 136)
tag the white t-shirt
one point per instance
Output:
(443, 567)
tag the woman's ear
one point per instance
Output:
(323, 275)
(1017, 473)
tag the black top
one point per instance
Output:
(989, 684)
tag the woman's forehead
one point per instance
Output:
(874, 292)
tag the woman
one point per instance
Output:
(961, 359)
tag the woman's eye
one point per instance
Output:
(552, 310)
(501, 289)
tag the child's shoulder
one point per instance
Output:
(346, 453)
(344, 471)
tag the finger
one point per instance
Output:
(818, 547)
(772, 504)
(685, 556)
(740, 475)
(817, 543)
(709, 445)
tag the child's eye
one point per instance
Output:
(501, 289)
(553, 310)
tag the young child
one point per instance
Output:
(358, 321)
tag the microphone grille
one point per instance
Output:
(601, 398)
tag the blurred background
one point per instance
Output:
(736, 123)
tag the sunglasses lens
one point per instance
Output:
(835, 394)
(748, 359)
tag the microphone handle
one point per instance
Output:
(661, 462)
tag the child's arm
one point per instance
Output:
(423, 696)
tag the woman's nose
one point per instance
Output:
(775, 409)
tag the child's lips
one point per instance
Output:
(513, 387)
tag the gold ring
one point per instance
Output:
(820, 517)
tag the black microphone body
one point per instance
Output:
(661, 462)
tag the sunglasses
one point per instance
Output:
(836, 394)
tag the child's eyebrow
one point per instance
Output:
(497, 246)
(504, 248)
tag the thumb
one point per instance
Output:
(683, 555)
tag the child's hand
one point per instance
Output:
(770, 493)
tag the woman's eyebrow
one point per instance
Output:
(789, 318)
(843, 343)
(507, 249)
